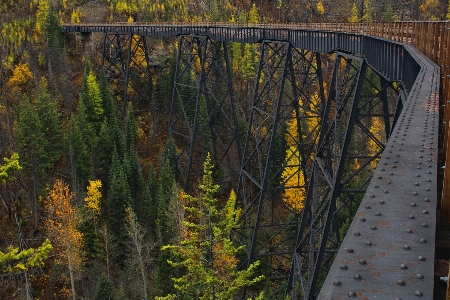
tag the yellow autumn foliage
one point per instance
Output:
(93, 196)
(20, 76)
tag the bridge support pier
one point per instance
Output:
(203, 117)
(303, 164)
(125, 62)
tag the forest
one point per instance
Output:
(92, 202)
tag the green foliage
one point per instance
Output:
(388, 15)
(172, 159)
(367, 12)
(91, 243)
(130, 129)
(92, 97)
(39, 132)
(52, 27)
(165, 194)
(11, 164)
(150, 211)
(354, 16)
(105, 289)
(206, 255)
(253, 15)
(81, 136)
(119, 198)
(448, 10)
(14, 260)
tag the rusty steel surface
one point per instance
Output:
(388, 252)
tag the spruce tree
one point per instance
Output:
(172, 159)
(149, 203)
(50, 119)
(206, 257)
(92, 98)
(80, 136)
(130, 129)
(52, 28)
(119, 198)
(165, 192)
(103, 150)
(135, 180)
(105, 289)
(108, 105)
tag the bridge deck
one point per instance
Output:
(389, 249)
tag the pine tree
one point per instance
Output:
(149, 203)
(80, 136)
(206, 255)
(354, 17)
(135, 181)
(52, 28)
(165, 193)
(388, 15)
(367, 12)
(130, 129)
(172, 158)
(105, 289)
(14, 260)
(119, 198)
(109, 107)
(51, 124)
(448, 10)
(11, 165)
(92, 98)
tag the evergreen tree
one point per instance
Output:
(172, 159)
(52, 28)
(149, 203)
(39, 133)
(367, 13)
(135, 180)
(354, 17)
(109, 107)
(165, 193)
(119, 198)
(51, 124)
(80, 136)
(105, 289)
(206, 255)
(11, 164)
(130, 129)
(92, 98)
(104, 148)
(388, 15)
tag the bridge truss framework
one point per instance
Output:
(320, 160)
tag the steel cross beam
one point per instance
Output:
(203, 109)
(357, 121)
(125, 62)
(277, 155)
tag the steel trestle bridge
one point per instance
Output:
(336, 176)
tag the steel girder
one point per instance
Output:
(357, 121)
(307, 160)
(203, 117)
(125, 61)
(282, 132)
